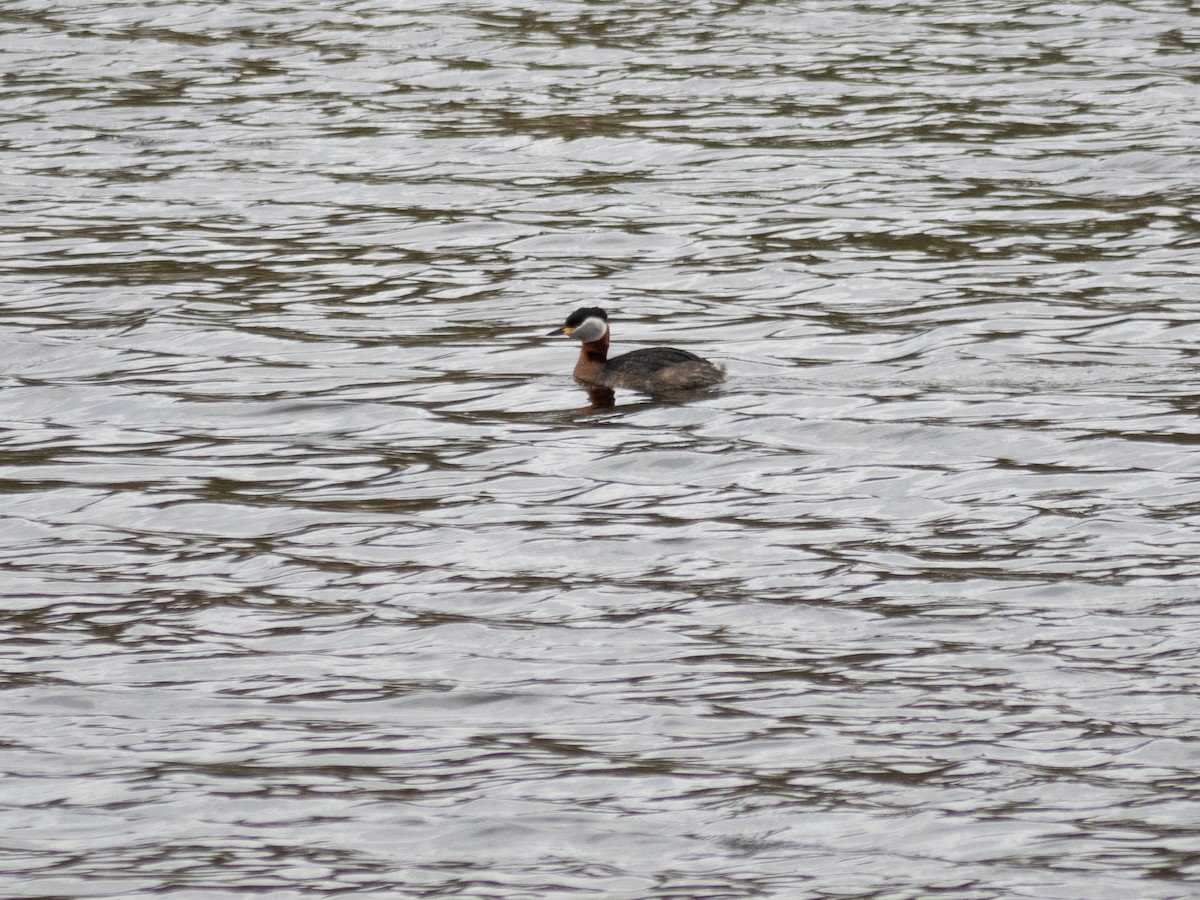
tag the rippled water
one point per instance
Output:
(320, 578)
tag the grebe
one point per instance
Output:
(657, 370)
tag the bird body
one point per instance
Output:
(655, 370)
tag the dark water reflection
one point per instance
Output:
(322, 577)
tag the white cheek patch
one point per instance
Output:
(592, 329)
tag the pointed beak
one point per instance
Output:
(564, 330)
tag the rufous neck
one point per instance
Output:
(597, 349)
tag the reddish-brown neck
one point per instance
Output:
(591, 358)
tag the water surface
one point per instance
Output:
(321, 578)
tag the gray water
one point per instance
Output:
(321, 578)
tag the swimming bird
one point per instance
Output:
(656, 370)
